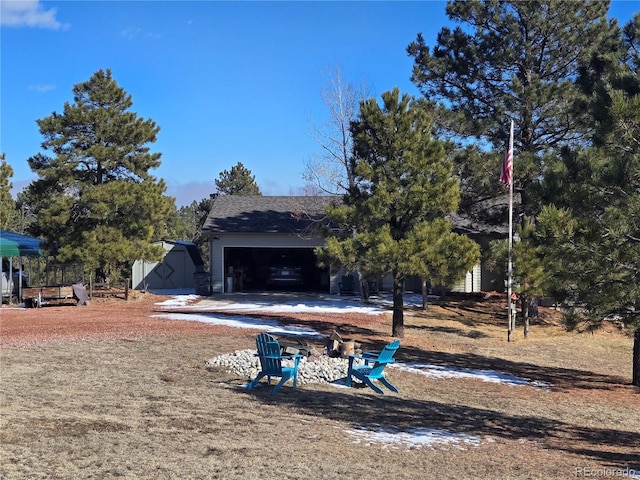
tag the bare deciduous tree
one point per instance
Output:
(328, 171)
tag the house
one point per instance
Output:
(268, 242)
(256, 240)
(181, 268)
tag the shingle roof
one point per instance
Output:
(266, 214)
(296, 214)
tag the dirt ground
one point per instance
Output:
(107, 391)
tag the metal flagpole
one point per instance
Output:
(511, 317)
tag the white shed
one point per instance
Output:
(181, 268)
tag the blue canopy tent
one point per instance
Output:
(15, 245)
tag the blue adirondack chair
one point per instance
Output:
(271, 358)
(373, 368)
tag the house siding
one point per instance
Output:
(218, 243)
(471, 282)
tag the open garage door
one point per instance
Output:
(265, 268)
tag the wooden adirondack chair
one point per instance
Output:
(373, 368)
(271, 362)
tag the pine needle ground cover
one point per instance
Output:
(108, 391)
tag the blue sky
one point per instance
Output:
(227, 82)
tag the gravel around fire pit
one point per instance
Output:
(312, 369)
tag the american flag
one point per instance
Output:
(506, 175)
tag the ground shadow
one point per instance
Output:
(371, 411)
(557, 377)
(451, 330)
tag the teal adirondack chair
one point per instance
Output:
(271, 358)
(373, 368)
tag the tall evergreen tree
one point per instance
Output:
(403, 188)
(7, 204)
(593, 220)
(237, 181)
(510, 59)
(95, 199)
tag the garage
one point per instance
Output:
(266, 243)
(262, 268)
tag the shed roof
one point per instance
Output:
(192, 250)
(266, 214)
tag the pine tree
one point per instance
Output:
(7, 204)
(237, 181)
(510, 59)
(593, 224)
(403, 188)
(95, 199)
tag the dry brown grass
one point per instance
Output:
(134, 400)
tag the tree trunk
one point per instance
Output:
(398, 307)
(425, 294)
(103, 274)
(524, 307)
(636, 358)
(364, 289)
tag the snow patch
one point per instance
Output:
(320, 306)
(178, 301)
(491, 376)
(242, 322)
(412, 438)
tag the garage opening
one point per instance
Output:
(283, 269)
